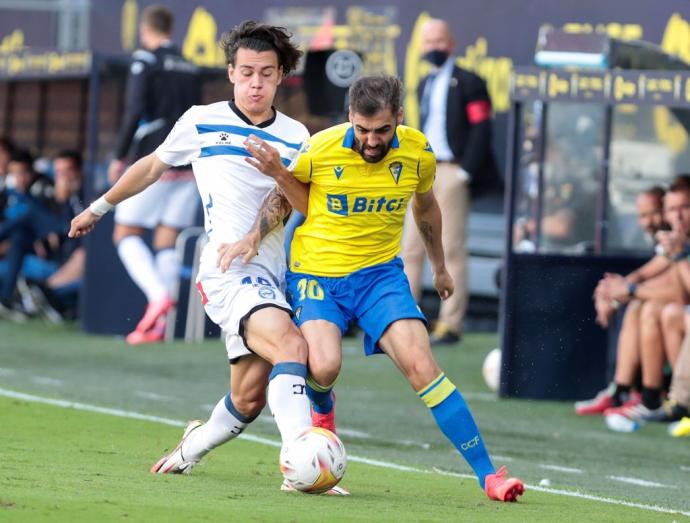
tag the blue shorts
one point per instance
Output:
(375, 297)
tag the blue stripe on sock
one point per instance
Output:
(232, 410)
(455, 420)
(290, 367)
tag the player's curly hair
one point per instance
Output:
(261, 37)
(371, 94)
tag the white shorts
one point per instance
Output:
(230, 298)
(170, 203)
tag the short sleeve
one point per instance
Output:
(181, 146)
(301, 168)
(426, 169)
(303, 144)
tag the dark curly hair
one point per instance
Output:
(261, 37)
(371, 94)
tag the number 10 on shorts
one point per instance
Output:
(309, 289)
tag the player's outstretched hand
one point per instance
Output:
(83, 224)
(443, 282)
(247, 248)
(264, 157)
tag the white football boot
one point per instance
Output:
(175, 462)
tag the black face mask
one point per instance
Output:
(436, 57)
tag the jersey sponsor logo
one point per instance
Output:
(339, 204)
(338, 170)
(470, 444)
(224, 137)
(396, 170)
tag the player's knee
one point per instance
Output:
(421, 371)
(294, 347)
(324, 367)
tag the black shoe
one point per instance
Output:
(674, 411)
(47, 302)
(442, 335)
(12, 311)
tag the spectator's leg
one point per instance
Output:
(652, 354)
(452, 193)
(628, 353)
(680, 385)
(21, 242)
(673, 330)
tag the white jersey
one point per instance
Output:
(211, 139)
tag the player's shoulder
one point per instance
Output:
(291, 126)
(142, 55)
(411, 138)
(333, 135)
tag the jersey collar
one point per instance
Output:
(349, 139)
(246, 120)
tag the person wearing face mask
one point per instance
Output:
(455, 112)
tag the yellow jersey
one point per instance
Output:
(356, 209)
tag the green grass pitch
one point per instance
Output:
(61, 464)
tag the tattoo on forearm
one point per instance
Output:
(426, 232)
(274, 209)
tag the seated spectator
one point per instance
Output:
(37, 219)
(659, 328)
(645, 322)
(6, 152)
(56, 290)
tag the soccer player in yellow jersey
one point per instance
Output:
(344, 262)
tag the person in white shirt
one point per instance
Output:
(245, 297)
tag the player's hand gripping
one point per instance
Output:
(264, 157)
(83, 224)
(443, 282)
(247, 247)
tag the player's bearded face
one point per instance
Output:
(255, 77)
(374, 135)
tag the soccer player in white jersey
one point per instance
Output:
(245, 299)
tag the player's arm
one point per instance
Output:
(427, 216)
(274, 210)
(138, 177)
(267, 160)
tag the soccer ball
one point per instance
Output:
(314, 461)
(491, 369)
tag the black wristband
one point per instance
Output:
(632, 287)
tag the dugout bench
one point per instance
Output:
(583, 143)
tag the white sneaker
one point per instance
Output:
(333, 491)
(175, 462)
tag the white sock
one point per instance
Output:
(168, 268)
(138, 260)
(225, 423)
(287, 399)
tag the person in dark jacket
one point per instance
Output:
(161, 86)
(455, 112)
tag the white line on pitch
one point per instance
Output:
(273, 443)
(559, 468)
(684, 468)
(7, 372)
(153, 396)
(640, 482)
(45, 380)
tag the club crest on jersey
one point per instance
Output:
(396, 169)
(338, 170)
